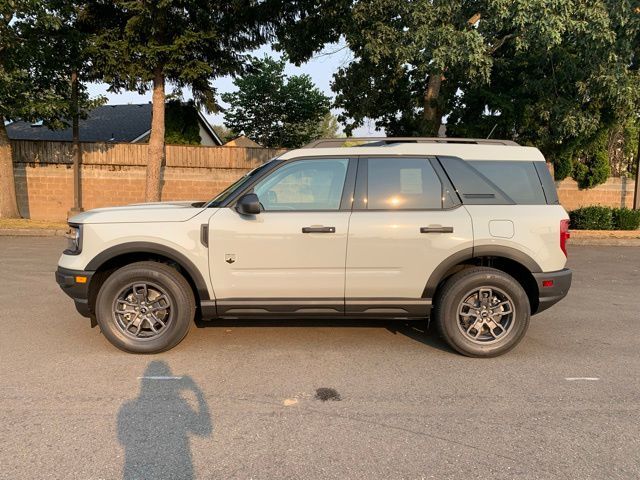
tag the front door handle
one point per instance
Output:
(436, 229)
(319, 229)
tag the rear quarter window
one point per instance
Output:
(519, 180)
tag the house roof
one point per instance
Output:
(115, 123)
(242, 141)
(108, 123)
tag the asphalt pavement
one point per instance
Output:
(240, 399)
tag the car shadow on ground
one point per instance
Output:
(416, 330)
(154, 428)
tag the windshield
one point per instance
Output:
(238, 184)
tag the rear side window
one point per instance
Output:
(402, 183)
(548, 185)
(519, 180)
(471, 185)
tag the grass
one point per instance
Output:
(24, 223)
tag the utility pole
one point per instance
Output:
(636, 191)
(76, 151)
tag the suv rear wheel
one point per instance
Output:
(482, 312)
(145, 307)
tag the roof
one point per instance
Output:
(107, 123)
(464, 151)
(242, 141)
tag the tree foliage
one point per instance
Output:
(591, 164)
(273, 109)
(564, 91)
(225, 134)
(550, 73)
(329, 127)
(39, 40)
(182, 124)
(187, 43)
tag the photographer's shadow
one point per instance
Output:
(154, 428)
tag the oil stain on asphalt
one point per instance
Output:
(324, 394)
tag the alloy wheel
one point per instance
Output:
(486, 315)
(142, 310)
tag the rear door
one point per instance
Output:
(405, 222)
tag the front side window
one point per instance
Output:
(304, 185)
(238, 185)
(402, 183)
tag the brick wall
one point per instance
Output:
(615, 192)
(113, 174)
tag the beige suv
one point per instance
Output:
(466, 232)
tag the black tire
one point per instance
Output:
(160, 279)
(457, 322)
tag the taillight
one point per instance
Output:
(564, 235)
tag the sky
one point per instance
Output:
(321, 69)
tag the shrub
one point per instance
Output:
(592, 167)
(563, 165)
(592, 218)
(594, 171)
(626, 219)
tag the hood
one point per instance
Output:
(141, 213)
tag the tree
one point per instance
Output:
(69, 33)
(552, 73)
(189, 43)
(273, 109)
(564, 90)
(34, 81)
(225, 134)
(182, 124)
(329, 127)
(408, 57)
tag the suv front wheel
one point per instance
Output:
(145, 307)
(482, 312)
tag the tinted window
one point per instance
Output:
(238, 185)
(548, 184)
(304, 185)
(472, 186)
(519, 180)
(402, 183)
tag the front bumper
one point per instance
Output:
(75, 283)
(552, 287)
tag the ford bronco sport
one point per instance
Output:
(468, 233)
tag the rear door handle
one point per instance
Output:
(319, 229)
(437, 229)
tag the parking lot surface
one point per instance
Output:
(238, 399)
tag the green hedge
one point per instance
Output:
(604, 218)
(626, 219)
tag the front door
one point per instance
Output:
(290, 258)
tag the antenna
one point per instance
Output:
(491, 132)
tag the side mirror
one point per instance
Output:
(248, 204)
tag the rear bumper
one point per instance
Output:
(552, 287)
(77, 290)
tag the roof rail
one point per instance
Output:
(381, 141)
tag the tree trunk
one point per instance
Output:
(156, 155)
(636, 192)
(8, 201)
(76, 149)
(432, 115)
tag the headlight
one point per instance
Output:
(74, 239)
